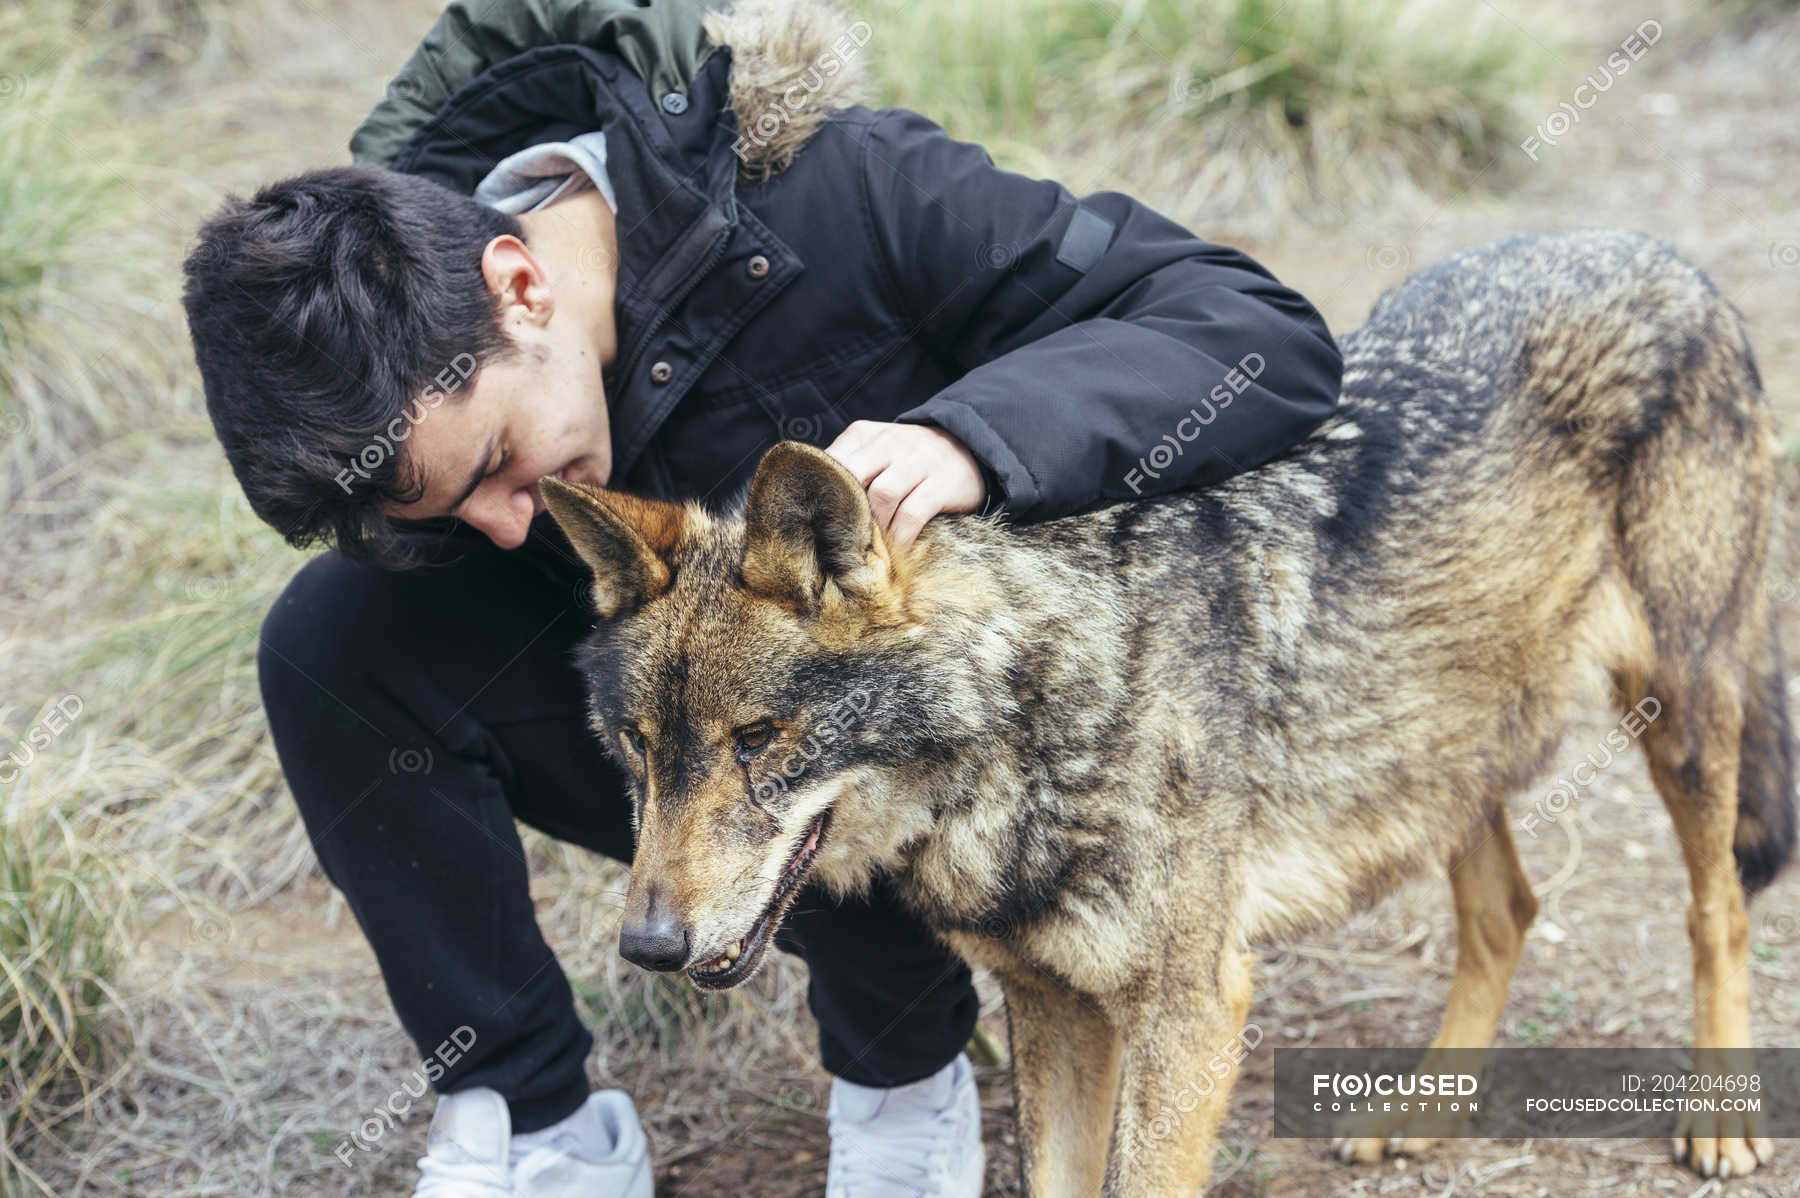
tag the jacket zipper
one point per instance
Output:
(650, 330)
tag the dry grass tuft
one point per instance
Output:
(61, 930)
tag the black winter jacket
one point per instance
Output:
(792, 261)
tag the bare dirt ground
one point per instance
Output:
(269, 1025)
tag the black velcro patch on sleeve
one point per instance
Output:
(1085, 240)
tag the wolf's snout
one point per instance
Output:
(655, 940)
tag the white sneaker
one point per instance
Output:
(913, 1140)
(470, 1152)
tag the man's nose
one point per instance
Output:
(656, 939)
(506, 522)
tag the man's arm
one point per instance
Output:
(1093, 331)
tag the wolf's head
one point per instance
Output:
(754, 676)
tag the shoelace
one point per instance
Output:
(919, 1156)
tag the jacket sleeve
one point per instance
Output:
(1109, 353)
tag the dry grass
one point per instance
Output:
(60, 935)
(245, 1033)
(1230, 107)
(63, 180)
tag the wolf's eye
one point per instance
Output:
(633, 738)
(751, 740)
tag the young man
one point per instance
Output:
(635, 245)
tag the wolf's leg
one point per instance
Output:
(1695, 517)
(1494, 907)
(1182, 1048)
(1065, 1083)
(1694, 760)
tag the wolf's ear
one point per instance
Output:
(625, 540)
(807, 521)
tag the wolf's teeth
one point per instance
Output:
(736, 950)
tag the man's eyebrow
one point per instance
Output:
(479, 473)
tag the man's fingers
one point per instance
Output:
(920, 505)
(860, 451)
(890, 489)
(911, 473)
(854, 434)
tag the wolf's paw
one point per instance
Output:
(1722, 1144)
(1726, 1156)
(1368, 1150)
(1367, 1136)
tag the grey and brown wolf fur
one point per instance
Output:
(1107, 755)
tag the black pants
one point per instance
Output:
(417, 714)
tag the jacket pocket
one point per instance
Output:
(801, 413)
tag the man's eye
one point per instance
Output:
(752, 740)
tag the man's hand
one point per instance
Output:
(911, 471)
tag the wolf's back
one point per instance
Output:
(1578, 334)
(1505, 362)
(1606, 360)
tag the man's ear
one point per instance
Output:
(809, 522)
(625, 540)
(516, 280)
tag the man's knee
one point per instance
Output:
(309, 633)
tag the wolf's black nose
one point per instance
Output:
(657, 943)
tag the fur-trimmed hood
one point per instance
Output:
(793, 62)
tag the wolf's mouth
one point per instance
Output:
(738, 962)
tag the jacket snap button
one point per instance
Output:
(674, 103)
(662, 372)
(758, 267)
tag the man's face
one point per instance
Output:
(540, 411)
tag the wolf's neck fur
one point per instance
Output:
(1013, 723)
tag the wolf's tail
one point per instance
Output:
(1765, 822)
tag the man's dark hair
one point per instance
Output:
(321, 311)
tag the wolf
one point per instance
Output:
(1108, 756)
